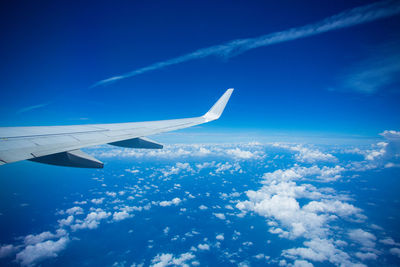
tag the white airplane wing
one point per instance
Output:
(60, 145)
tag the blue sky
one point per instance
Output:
(341, 82)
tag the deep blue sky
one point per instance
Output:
(52, 52)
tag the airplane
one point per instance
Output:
(60, 145)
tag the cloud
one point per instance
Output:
(74, 211)
(383, 154)
(220, 237)
(203, 207)
(320, 250)
(375, 73)
(92, 220)
(168, 259)
(166, 230)
(29, 108)
(366, 256)
(121, 215)
(325, 174)
(176, 201)
(297, 210)
(308, 155)
(302, 263)
(97, 200)
(395, 251)
(203, 247)
(32, 254)
(178, 168)
(362, 237)
(242, 154)
(34, 239)
(7, 250)
(66, 222)
(348, 18)
(239, 151)
(220, 216)
(389, 241)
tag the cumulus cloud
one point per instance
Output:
(34, 239)
(97, 200)
(177, 169)
(306, 154)
(176, 201)
(39, 251)
(168, 259)
(220, 216)
(203, 247)
(362, 237)
(241, 151)
(366, 256)
(121, 215)
(297, 172)
(7, 250)
(302, 263)
(67, 221)
(242, 154)
(395, 251)
(278, 200)
(389, 241)
(74, 211)
(203, 207)
(383, 154)
(220, 237)
(92, 220)
(320, 250)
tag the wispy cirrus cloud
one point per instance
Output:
(29, 108)
(348, 18)
(377, 72)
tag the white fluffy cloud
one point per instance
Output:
(386, 153)
(92, 220)
(121, 215)
(176, 201)
(306, 154)
(278, 201)
(203, 247)
(74, 211)
(97, 200)
(220, 216)
(364, 238)
(34, 239)
(246, 151)
(244, 154)
(36, 252)
(220, 237)
(168, 259)
(314, 172)
(177, 169)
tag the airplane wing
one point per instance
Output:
(60, 145)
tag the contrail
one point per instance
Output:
(342, 20)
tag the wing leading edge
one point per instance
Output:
(60, 145)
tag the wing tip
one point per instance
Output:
(217, 109)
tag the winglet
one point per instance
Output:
(215, 112)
